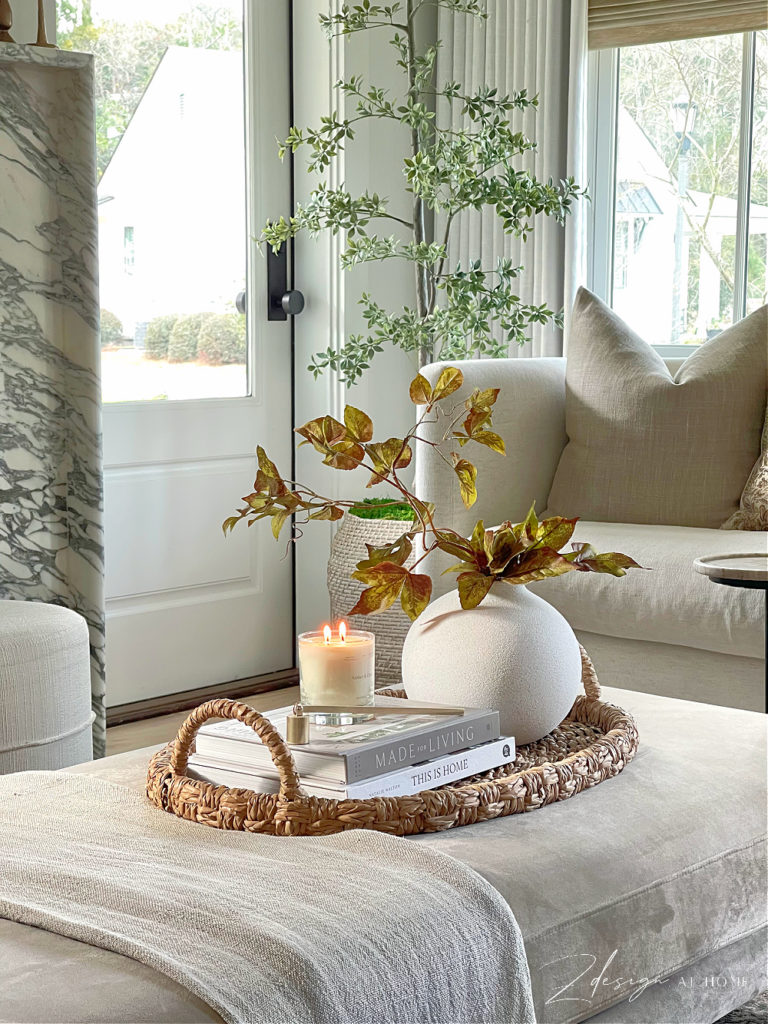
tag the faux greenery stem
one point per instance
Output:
(448, 172)
(520, 553)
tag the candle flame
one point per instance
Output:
(326, 634)
(343, 632)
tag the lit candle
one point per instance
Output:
(337, 669)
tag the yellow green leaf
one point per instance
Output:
(330, 512)
(450, 380)
(266, 465)
(398, 552)
(420, 390)
(359, 425)
(490, 440)
(344, 455)
(473, 586)
(483, 399)
(278, 519)
(467, 474)
(415, 595)
(555, 532)
(386, 581)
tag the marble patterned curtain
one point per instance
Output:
(51, 544)
(541, 46)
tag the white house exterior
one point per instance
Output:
(644, 259)
(172, 230)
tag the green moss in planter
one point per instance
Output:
(382, 508)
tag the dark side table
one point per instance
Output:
(749, 570)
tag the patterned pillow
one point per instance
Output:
(753, 507)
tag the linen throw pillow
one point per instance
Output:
(647, 447)
(753, 507)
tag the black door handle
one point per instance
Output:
(282, 302)
(292, 302)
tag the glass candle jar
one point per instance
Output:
(337, 668)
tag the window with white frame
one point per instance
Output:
(679, 183)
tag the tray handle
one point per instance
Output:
(290, 786)
(589, 676)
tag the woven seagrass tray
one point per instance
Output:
(594, 743)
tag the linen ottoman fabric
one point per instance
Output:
(668, 601)
(45, 687)
(647, 447)
(661, 863)
(753, 507)
(665, 864)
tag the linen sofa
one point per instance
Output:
(669, 630)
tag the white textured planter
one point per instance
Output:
(514, 652)
(389, 627)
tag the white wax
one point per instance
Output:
(339, 672)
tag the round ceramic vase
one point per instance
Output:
(514, 652)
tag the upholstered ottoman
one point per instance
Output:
(641, 901)
(45, 687)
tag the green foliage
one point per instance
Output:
(183, 341)
(128, 54)
(449, 171)
(159, 336)
(110, 328)
(522, 553)
(382, 508)
(222, 339)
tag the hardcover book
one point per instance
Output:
(403, 782)
(351, 753)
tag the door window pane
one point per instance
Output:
(676, 187)
(171, 194)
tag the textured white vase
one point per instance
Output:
(514, 652)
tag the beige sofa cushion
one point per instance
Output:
(647, 447)
(671, 603)
(753, 507)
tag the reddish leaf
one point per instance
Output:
(537, 564)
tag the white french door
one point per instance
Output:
(189, 389)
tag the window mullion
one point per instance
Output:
(741, 246)
(603, 120)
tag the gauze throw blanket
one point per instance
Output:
(358, 927)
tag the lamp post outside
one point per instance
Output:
(683, 119)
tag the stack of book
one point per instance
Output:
(390, 755)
